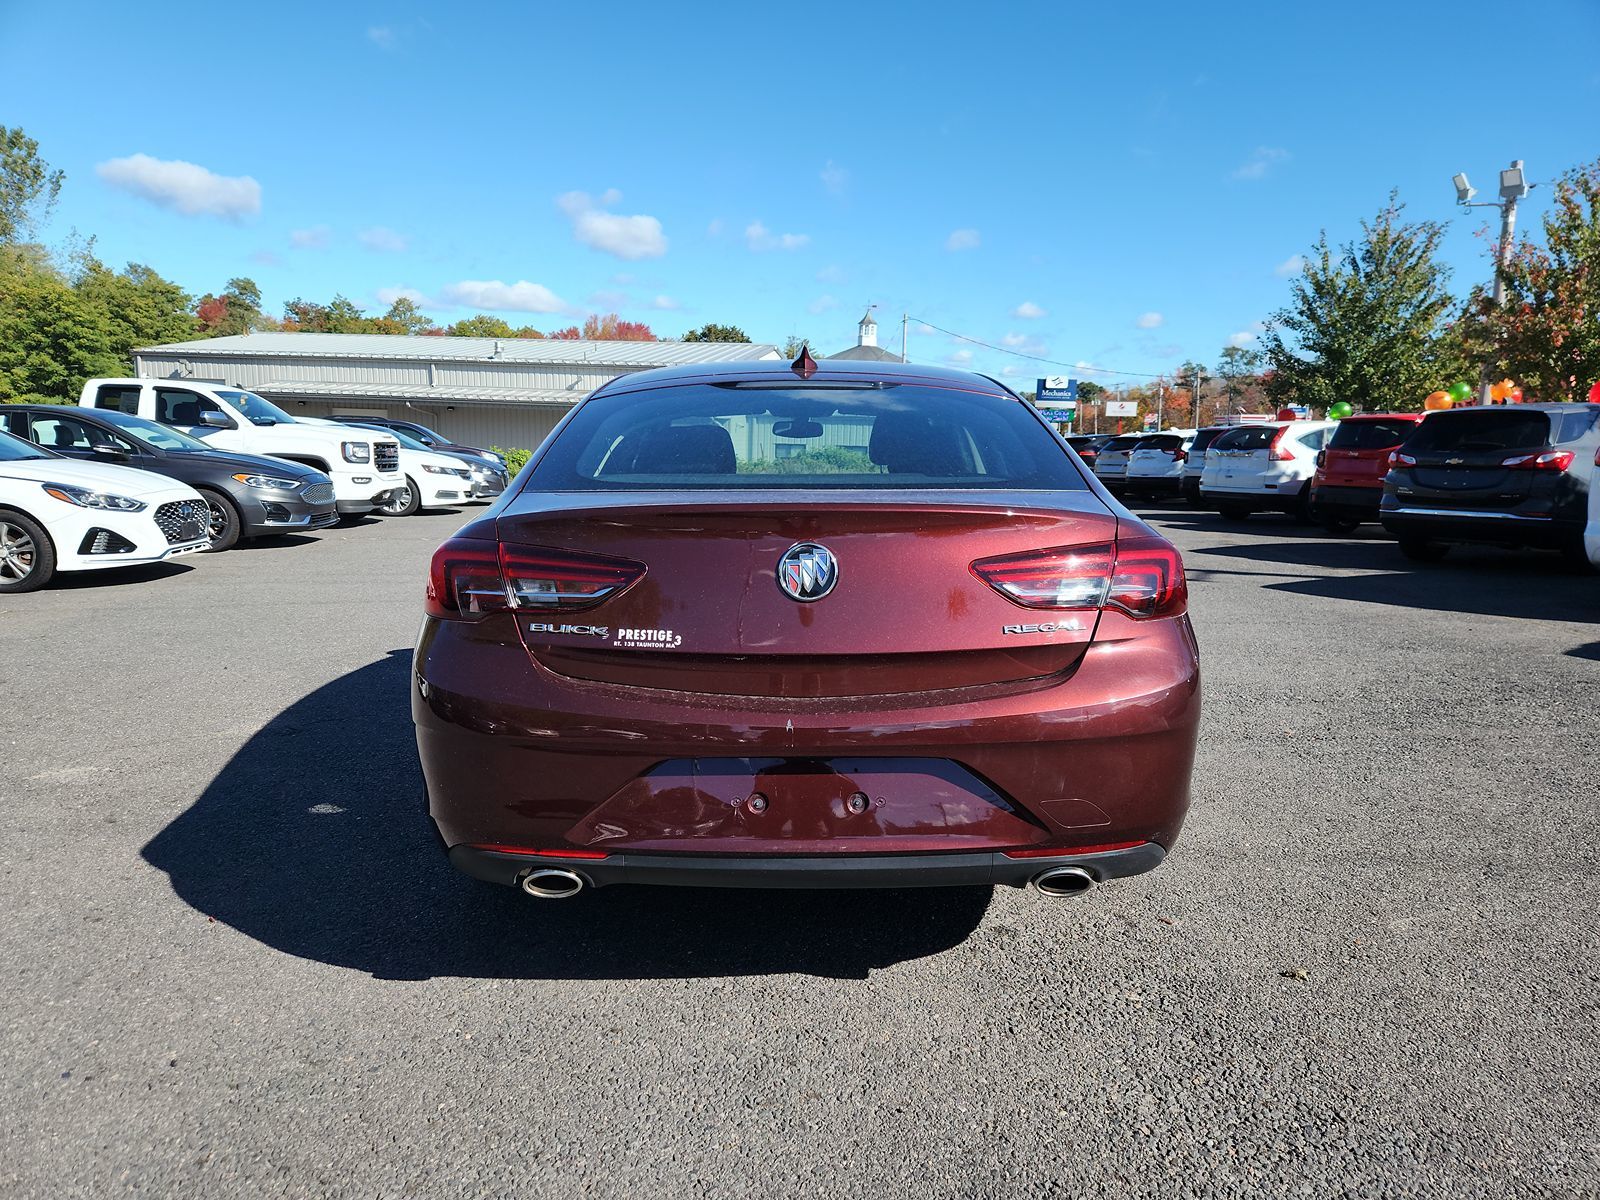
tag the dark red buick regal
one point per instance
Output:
(806, 626)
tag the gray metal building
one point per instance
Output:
(479, 391)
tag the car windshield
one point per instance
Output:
(1370, 433)
(14, 449)
(256, 410)
(1205, 437)
(163, 437)
(1493, 429)
(399, 435)
(422, 431)
(1122, 443)
(1166, 443)
(804, 437)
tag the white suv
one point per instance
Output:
(1155, 465)
(59, 514)
(1591, 533)
(1263, 467)
(1111, 464)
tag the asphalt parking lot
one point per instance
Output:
(236, 964)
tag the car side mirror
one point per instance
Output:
(217, 420)
(110, 452)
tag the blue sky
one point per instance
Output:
(1106, 185)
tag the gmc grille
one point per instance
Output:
(318, 493)
(386, 456)
(172, 517)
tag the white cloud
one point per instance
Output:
(183, 187)
(625, 237)
(1150, 320)
(963, 239)
(821, 305)
(385, 241)
(1292, 265)
(1010, 369)
(390, 295)
(495, 296)
(1022, 342)
(835, 178)
(1028, 311)
(1260, 162)
(959, 358)
(666, 304)
(758, 237)
(832, 273)
(1014, 339)
(384, 37)
(315, 238)
(1241, 339)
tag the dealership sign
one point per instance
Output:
(1057, 390)
(1122, 408)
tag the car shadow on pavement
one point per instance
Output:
(313, 840)
(68, 581)
(1529, 585)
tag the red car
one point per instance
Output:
(845, 624)
(1348, 485)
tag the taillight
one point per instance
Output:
(1179, 456)
(1322, 459)
(1142, 576)
(471, 577)
(1550, 460)
(1277, 453)
(1396, 459)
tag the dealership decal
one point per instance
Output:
(598, 631)
(648, 639)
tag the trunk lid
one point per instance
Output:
(907, 615)
(1460, 457)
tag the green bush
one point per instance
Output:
(516, 457)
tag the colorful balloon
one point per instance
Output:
(1460, 392)
(1438, 402)
(1594, 393)
(1514, 396)
(1286, 414)
(1340, 411)
(1499, 391)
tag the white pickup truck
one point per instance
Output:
(363, 464)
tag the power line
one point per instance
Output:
(1054, 362)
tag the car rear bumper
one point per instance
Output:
(831, 871)
(517, 755)
(1350, 502)
(1477, 525)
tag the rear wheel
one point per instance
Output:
(1301, 511)
(1576, 555)
(27, 559)
(402, 502)
(1423, 550)
(1233, 512)
(1340, 525)
(225, 520)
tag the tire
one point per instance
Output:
(1343, 526)
(226, 522)
(1233, 512)
(1301, 511)
(27, 557)
(403, 502)
(1575, 554)
(1423, 550)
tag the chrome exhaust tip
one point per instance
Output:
(552, 883)
(1060, 883)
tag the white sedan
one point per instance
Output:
(59, 514)
(433, 480)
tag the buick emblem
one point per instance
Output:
(807, 572)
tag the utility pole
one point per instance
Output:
(905, 322)
(1513, 187)
(1161, 403)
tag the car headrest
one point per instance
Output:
(684, 450)
(913, 444)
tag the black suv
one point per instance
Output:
(249, 496)
(1516, 475)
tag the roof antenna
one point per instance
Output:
(804, 365)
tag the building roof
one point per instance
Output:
(328, 390)
(867, 353)
(867, 320)
(462, 349)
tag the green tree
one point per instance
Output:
(1364, 322)
(140, 307)
(52, 338)
(28, 186)
(792, 345)
(716, 333)
(236, 311)
(1235, 365)
(403, 317)
(482, 325)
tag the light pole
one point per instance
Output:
(1513, 187)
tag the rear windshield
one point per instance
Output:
(1248, 437)
(1482, 429)
(804, 437)
(1375, 434)
(1167, 441)
(1206, 436)
(1122, 443)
